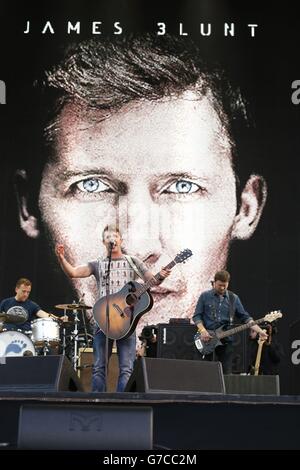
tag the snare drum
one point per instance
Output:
(45, 331)
(14, 343)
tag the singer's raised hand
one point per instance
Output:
(60, 250)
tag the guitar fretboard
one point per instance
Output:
(152, 282)
(224, 334)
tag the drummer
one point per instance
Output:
(18, 312)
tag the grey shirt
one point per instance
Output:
(121, 272)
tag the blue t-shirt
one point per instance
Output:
(26, 310)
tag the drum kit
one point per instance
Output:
(47, 335)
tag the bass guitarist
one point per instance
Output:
(216, 308)
(123, 269)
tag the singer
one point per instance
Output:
(123, 268)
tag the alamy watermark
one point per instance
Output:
(2, 92)
(295, 96)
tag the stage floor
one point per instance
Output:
(159, 421)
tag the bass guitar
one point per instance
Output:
(207, 347)
(128, 305)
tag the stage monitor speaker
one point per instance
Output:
(252, 384)
(38, 373)
(79, 427)
(176, 341)
(176, 375)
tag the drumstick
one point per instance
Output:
(51, 315)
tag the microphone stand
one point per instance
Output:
(107, 315)
(75, 333)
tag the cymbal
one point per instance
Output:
(72, 306)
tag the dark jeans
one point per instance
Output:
(224, 354)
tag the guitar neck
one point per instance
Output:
(153, 281)
(233, 331)
(258, 357)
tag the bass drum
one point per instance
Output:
(15, 343)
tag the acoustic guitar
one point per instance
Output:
(128, 305)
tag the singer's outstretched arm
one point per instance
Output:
(71, 271)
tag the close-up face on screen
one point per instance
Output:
(147, 145)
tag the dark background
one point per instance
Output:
(265, 269)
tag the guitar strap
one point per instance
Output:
(231, 306)
(100, 271)
(130, 261)
(134, 266)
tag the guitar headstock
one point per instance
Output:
(273, 316)
(183, 256)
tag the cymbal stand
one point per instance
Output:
(64, 340)
(83, 311)
(46, 348)
(75, 339)
(83, 314)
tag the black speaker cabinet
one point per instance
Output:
(38, 373)
(252, 384)
(85, 427)
(176, 341)
(240, 358)
(176, 375)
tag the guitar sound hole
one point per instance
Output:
(131, 299)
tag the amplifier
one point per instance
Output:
(85, 364)
(176, 341)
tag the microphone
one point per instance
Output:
(112, 244)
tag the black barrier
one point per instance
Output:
(85, 427)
